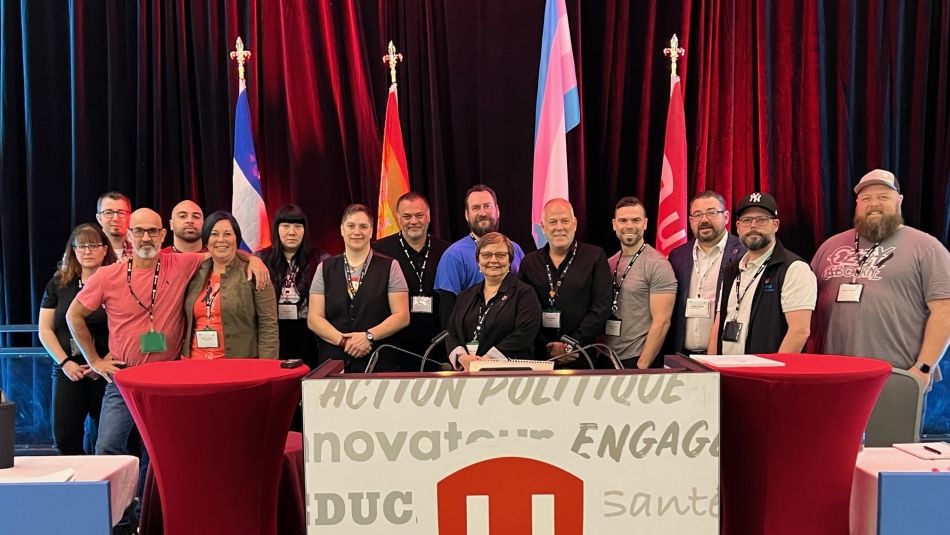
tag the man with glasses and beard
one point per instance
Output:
(884, 287)
(112, 213)
(699, 265)
(458, 268)
(768, 296)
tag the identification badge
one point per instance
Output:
(731, 330)
(471, 347)
(551, 319)
(613, 327)
(152, 342)
(697, 308)
(422, 304)
(287, 312)
(850, 293)
(74, 348)
(206, 338)
(289, 295)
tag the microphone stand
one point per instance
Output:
(439, 338)
(374, 357)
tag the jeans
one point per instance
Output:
(115, 424)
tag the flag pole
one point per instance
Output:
(394, 171)
(671, 213)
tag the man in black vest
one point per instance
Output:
(768, 296)
(418, 254)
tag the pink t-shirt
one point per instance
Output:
(127, 320)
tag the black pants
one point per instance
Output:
(72, 403)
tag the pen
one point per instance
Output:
(933, 450)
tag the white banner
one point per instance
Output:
(518, 454)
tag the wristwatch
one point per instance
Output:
(924, 367)
(369, 336)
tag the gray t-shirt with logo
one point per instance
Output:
(901, 275)
(650, 274)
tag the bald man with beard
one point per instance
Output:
(186, 222)
(884, 287)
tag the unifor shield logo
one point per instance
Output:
(511, 496)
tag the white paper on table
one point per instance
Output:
(930, 451)
(55, 477)
(736, 361)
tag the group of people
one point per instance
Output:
(881, 289)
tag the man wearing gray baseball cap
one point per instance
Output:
(883, 287)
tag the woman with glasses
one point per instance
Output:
(497, 318)
(77, 390)
(225, 315)
(358, 298)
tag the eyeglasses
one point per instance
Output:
(758, 220)
(87, 246)
(486, 256)
(109, 214)
(709, 214)
(138, 232)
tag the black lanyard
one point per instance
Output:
(741, 294)
(290, 278)
(210, 297)
(480, 320)
(420, 272)
(554, 287)
(151, 306)
(863, 259)
(350, 287)
(619, 285)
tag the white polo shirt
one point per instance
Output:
(703, 283)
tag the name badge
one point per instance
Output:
(613, 327)
(471, 348)
(551, 319)
(152, 342)
(731, 330)
(697, 308)
(206, 338)
(422, 304)
(287, 311)
(289, 295)
(74, 348)
(850, 293)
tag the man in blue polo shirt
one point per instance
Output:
(458, 268)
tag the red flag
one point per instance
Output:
(394, 175)
(671, 219)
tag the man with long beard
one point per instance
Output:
(767, 296)
(884, 287)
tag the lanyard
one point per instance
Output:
(555, 287)
(210, 297)
(420, 272)
(350, 287)
(151, 306)
(863, 259)
(618, 286)
(741, 294)
(290, 278)
(702, 277)
(481, 318)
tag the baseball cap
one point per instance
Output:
(878, 176)
(758, 199)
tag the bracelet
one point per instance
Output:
(63, 363)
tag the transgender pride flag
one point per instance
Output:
(557, 111)
(247, 197)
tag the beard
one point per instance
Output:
(188, 236)
(880, 230)
(705, 238)
(756, 242)
(146, 252)
(480, 228)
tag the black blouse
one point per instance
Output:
(60, 298)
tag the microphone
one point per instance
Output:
(572, 343)
(374, 358)
(611, 354)
(439, 338)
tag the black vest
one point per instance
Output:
(767, 325)
(368, 309)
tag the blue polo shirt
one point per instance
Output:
(458, 268)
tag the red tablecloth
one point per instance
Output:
(215, 432)
(790, 436)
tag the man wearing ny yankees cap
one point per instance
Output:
(884, 287)
(768, 295)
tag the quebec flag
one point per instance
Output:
(247, 198)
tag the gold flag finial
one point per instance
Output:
(241, 56)
(674, 52)
(392, 58)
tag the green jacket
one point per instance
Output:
(248, 316)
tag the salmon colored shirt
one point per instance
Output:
(203, 321)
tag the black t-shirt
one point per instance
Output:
(59, 298)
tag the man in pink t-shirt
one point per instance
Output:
(143, 300)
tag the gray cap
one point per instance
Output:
(878, 176)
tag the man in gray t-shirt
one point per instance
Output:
(643, 305)
(886, 295)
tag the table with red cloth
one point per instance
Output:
(789, 439)
(215, 432)
(291, 504)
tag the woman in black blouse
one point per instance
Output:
(77, 390)
(497, 318)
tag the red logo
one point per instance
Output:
(510, 484)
